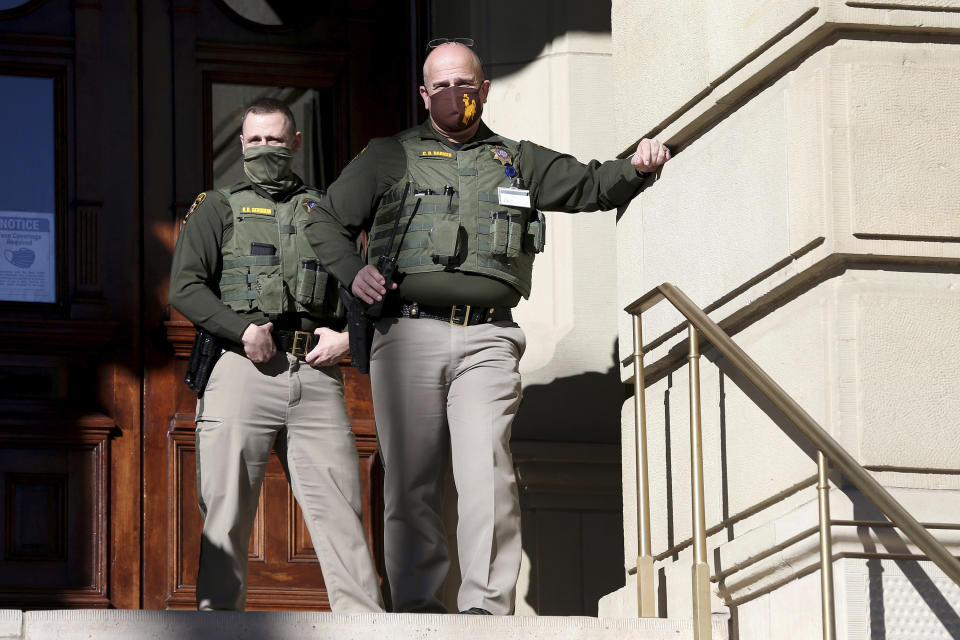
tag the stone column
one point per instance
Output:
(813, 207)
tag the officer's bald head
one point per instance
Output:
(452, 57)
(453, 65)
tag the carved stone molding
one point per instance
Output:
(916, 5)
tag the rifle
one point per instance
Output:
(387, 265)
(360, 328)
(360, 316)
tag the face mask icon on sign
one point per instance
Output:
(21, 258)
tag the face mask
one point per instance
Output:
(269, 167)
(455, 108)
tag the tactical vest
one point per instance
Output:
(269, 264)
(463, 230)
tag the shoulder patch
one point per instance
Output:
(436, 154)
(309, 204)
(193, 207)
(359, 154)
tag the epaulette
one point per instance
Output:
(403, 136)
(232, 189)
(510, 143)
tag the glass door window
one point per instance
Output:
(310, 109)
(28, 238)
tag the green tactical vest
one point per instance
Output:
(269, 264)
(467, 230)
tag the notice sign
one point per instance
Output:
(27, 257)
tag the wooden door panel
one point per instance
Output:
(53, 479)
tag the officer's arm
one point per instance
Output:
(350, 202)
(194, 273)
(560, 182)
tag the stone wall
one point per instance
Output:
(812, 207)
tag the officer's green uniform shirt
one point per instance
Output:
(197, 265)
(557, 182)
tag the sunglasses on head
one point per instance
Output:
(436, 42)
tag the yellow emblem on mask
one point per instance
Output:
(471, 109)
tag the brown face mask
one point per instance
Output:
(455, 108)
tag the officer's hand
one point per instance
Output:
(331, 348)
(368, 285)
(650, 155)
(258, 343)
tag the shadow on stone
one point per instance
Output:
(566, 449)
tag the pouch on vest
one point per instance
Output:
(311, 283)
(505, 228)
(447, 242)
(536, 238)
(271, 294)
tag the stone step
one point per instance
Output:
(256, 625)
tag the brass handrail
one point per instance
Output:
(826, 550)
(700, 574)
(646, 603)
(825, 443)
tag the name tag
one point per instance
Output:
(514, 197)
(263, 210)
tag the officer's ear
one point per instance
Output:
(425, 97)
(297, 142)
(484, 90)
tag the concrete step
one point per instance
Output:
(256, 625)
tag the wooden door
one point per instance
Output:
(69, 307)
(117, 107)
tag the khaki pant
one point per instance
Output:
(245, 410)
(443, 394)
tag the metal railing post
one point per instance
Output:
(829, 450)
(701, 570)
(646, 602)
(826, 550)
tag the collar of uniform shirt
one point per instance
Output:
(483, 136)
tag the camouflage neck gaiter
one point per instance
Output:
(270, 167)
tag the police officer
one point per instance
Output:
(243, 271)
(444, 362)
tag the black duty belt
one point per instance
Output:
(296, 343)
(458, 314)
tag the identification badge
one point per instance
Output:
(514, 197)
